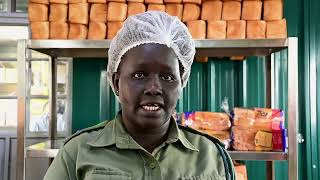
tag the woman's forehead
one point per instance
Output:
(150, 54)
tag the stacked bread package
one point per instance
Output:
(212, 123)
(258, 129)
(205, 19)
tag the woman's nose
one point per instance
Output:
(153, 86)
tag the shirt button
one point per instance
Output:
(152, 165)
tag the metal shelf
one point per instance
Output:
(50, 149)
(205, 48)
(263, 156)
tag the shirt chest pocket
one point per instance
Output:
(107, 174)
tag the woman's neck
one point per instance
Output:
(149, 139)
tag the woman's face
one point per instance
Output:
(149, 85)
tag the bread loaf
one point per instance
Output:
(256, 29)
(77, 1)
(244, 139)
(213, 121)
(117, 11)
(99, 12)
(221, 135)
(135, 8)
(113, 28)
(172, 1)
(97, 30)
(138, 1)
(237, 58)
(174, 10)
(58, 1)
(231, 10)
(217, 30)
(97, 1)
(153, 1)
(202, 59)
(190, 12)
(37, 12)
(156, 7)
(276, 29)
(236, 29)
(251, 10)
(197, 29)
(242, 116)
(39, 1)
(77, 31)
(39, 30)
(59, 30)
(58, 13)
(211, 10)
(192, 1)
(272, 10)
(79, 13)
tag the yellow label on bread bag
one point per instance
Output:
(263, 139)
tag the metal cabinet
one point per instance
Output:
(205, 48)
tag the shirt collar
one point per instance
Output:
(115, 133)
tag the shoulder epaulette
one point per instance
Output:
(213, 139)
(89, 129)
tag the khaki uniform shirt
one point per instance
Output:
(106, 151)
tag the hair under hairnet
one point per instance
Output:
(152, 27)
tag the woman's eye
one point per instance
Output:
(138, 75)
(167, 77)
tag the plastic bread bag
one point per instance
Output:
(244, 117)
(269, 119)
(214, 121)
(223, 136)
(264, 119)
(248, 139)
(244, 139)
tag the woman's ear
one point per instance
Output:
(115, 81)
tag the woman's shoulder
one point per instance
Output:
(198, 138)
(82, 137)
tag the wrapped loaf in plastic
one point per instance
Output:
(258, 129)
(214, 121)
(259, 118)
(244, 140)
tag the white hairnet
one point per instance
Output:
(152, 27)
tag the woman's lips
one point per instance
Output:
(151, 107)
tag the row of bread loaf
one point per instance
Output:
(199, 29)
(237, 29)
(117, 11)
(83, 13)
(211, 10)
(64, 30)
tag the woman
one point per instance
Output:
(149, 64)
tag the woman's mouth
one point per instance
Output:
(151, 107)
